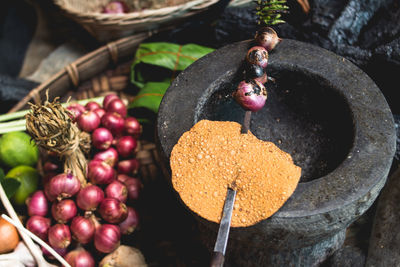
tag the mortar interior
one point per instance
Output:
(304, 115)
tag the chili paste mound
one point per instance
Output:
(214, 155)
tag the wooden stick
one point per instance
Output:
(36, 253)
(246, 122)
(38, 240)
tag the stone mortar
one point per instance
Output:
(324, 111)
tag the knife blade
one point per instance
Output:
(218, 257)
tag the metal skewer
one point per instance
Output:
(218, 256)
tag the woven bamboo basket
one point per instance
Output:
(106, 27)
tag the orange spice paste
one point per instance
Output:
(214, 155)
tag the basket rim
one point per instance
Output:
(111, 53)
(194, 5)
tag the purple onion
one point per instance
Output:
(118, 190)
(254, 71)
(267, 38)
(113, 210)
(37, 204)
(76, 110)
(99, 172)
(251, 95)
(107, 238)
(80, 258)
(82, 229)
(102, 138)
(64, 210)
(59, 236)
(63, 185)
(129, 225)
(116, 7)
(39, 226)
(257, 55)
(89, 197)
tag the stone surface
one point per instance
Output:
(333, 26)
(397, 126)
(241, 253)
(353, 18)
(345, 156)
(346, 256)
(385, 239)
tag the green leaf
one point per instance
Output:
(168, 56)
(159, 54)
(150, 96)
(10, 186)
(269, 11)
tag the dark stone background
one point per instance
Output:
(367, 32)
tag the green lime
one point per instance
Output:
(17, 148)
(28, 177)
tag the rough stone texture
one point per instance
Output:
(362, 31)
(385, 239)
(324, 13)
(296, 117)
(241, 253)
(347, 256)
(397, 126)
(353, 18)
(382, 28)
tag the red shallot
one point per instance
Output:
(88, 121)
(80, 258)
(82, 229)
(114, 122)
(251, 95)
(126, 146)
(130, 223)
(64, 210)
(89, 197)
(113, 210)
(37, 204)
(109, 156)
(63, 185)
(133, 127)
(39, 226)
(59, 236)
(107, 238)
(99, 172)
(117, 190)
(102, 138)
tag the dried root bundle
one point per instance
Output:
(53, 129)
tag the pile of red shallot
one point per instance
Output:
(71, 217)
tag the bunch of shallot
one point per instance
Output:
(67, 214)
